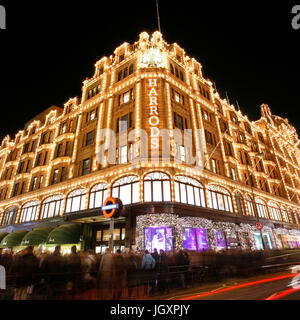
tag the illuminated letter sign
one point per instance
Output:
(153, 120)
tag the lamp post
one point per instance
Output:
(254, 206)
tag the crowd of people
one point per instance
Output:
(45, 275)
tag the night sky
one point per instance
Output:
(249, 49)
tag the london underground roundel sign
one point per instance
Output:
(111, 207)
(258, 225)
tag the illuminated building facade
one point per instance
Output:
(51, 176)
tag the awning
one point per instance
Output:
(36, 237)
(65, 234)
(13, 239)
(3, 235)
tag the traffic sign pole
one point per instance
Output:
(111, 232)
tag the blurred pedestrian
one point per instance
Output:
(105, 274)
(25, 269)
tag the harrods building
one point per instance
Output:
(52, 184)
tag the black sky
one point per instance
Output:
(248, 49)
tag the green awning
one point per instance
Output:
(13, 239)
(65, 234)
(3, 235)
(36, 237)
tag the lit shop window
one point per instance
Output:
(159, 238)
(127, 189)
(157, 187)
(97, 195)
(76, 200)
(10, 216)
(194, 239)
(190, 191)
(51, 207)
(261, 209)
(274, 210)
(219, 198)
(29, 211)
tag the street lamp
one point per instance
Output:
(251, 184)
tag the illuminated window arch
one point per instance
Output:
(51, 206)
(262, 210)
(98, 194)
(190, 191)
(29, 211)
(9, 217)
(284, 214)
(219, 198)
(127, 189)
(239, 202)
(250, 207)
(157, 187)
(274, 210)
(76, 200)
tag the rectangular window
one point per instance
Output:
(49, 137)
(64, 128)
(123, 154)
(41, 182)
(179, 122)
(233, 174)
(214, 166)
(85, 166)
(55, 175)
(209, 138)
(21, 167)
(16, 188)
(26, 147)
(63, 174)
(89, 138)
(93, 115)
(33, 184)
(45, 158)
(205, 115)
(38, 160)
(59, 149)
(177, 97)
(126, 97)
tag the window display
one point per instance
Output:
(201, 239)
(194, 239)
(220, 240)
(189, 239)
(160, 238)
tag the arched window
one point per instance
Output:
(76, 200)
(262, 210)
(51, 206)
(239, 203)
(98, 194)
(10, 216)
(190, 191)
(29, 211)
(127, 189)
(274, 210)
(284, 214)
(250, 207)
(157, 187)
(219, 198)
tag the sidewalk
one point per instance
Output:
(180, 293)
